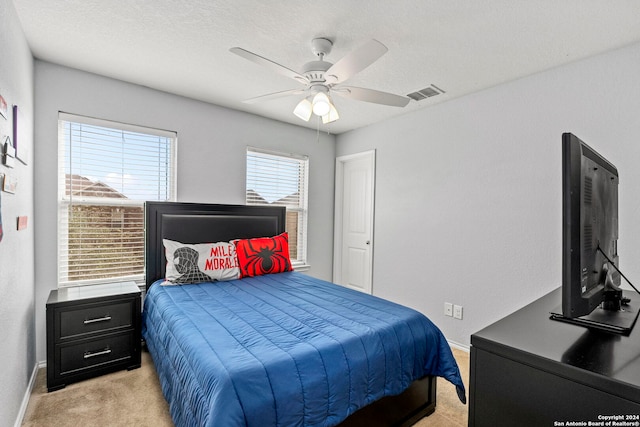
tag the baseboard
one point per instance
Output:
(27, 394)
(459, 346)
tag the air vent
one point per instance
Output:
(587, 238)
(588, 190)
(425, 93)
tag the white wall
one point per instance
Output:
(17, 330)
(468, 196)
(212, 145)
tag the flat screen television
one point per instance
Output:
(591, 279)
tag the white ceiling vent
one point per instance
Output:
(425, 93)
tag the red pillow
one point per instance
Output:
(263, 255)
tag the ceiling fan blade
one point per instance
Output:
(370, 95)
(274, 95)
(274, 66)
(355, 61)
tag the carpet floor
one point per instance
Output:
(134, 398)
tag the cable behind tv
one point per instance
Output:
(617, 269)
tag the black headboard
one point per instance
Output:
(202, 223)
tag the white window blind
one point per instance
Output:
(282, 179)
(106, 170)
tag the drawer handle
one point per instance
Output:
(99, 319)
(88, 354)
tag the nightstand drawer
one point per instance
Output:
(95, 318)
(90, 353)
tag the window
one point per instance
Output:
(281, 179)
(106, 171)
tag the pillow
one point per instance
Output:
(263, 255)
(202, 262)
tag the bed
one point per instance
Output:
(280, 349)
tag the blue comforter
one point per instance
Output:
(285, 350)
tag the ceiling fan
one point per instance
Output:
(322, 78)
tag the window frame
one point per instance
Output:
(300, 263)
(64, 201)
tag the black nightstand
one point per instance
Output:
(92, 330)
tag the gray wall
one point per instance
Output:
(468, 192)
(212, 145)
(17, 329)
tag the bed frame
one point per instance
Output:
(201, 223)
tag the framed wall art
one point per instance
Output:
(8, 152)
(22, 154)
(3, 107)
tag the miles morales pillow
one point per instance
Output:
(263, 255)
(202, 262)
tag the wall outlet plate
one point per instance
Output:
(448, 309)
(457, 312)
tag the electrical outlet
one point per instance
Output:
(448, 309)
(457, 312)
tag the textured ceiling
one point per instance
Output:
(182, 46)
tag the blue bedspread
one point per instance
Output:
(285, 350)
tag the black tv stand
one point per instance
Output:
(614, 321)
(527, 370)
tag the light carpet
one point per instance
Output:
(134, 398)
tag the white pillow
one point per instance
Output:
(202, 262)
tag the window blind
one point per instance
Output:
(282, 180)
(106, 171)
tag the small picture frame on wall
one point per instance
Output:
(15, 127)
(21, 154)
(8, 153)
(8, 148)
(3, 107)
(10, 183)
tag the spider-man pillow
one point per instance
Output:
(263, 255)
(202, 262)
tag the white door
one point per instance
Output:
(353, 240)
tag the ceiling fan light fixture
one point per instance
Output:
(331, 116)
(304, 109)
(321, 104)
(320, 77)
